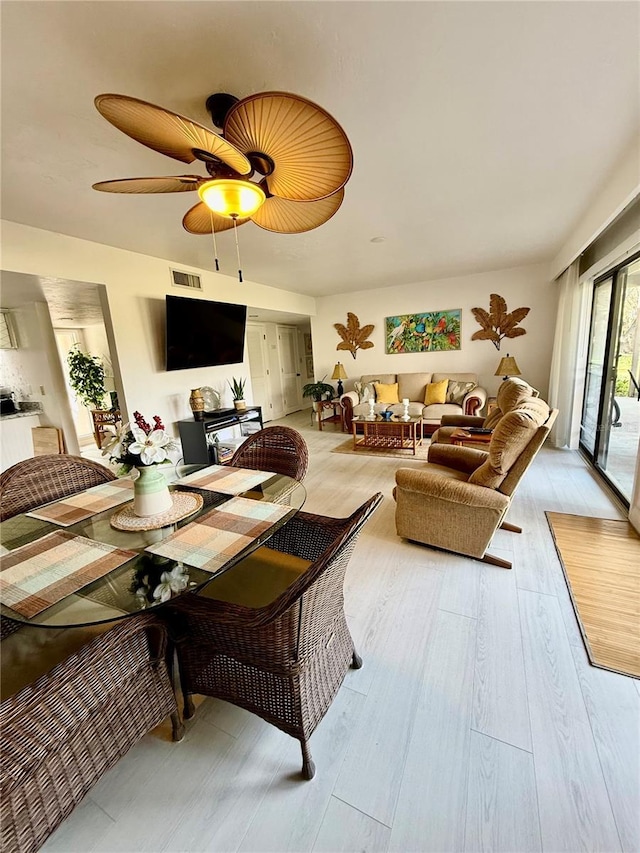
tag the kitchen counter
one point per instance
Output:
(22, 414)
(16, 441)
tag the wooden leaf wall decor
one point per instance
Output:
(498, 323)
(353, 336)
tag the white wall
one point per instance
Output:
(136, 287)
(522, 286)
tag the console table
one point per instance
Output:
(198, 448)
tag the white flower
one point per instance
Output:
(173, 581)
(153, 447)
(115, 445)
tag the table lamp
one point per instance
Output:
(339, 373)
(507, 367)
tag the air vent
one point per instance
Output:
(185, 279)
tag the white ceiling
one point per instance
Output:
(480, 130)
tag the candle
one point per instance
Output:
(405, 401)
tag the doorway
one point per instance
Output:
(610, 425)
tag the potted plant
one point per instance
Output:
(237, 390)
(86, 377)
(317, 390)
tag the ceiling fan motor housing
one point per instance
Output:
(218, 105)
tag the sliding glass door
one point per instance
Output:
(611, 409)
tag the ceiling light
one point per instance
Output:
(232, 198)
(377, 239)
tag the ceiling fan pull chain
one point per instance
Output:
(215, 248)
(235, 231)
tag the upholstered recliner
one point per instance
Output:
(510, 393)
(459, 499)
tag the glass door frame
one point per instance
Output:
(598, 457)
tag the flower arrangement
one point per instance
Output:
(152, 583)
(140, 445)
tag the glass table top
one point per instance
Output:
(129, 588)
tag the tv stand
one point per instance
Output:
(198, 448)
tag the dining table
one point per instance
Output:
(138, 569)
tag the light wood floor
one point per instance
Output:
(476, 722)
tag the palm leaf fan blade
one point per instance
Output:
(296, 217)
(168, 184)
(198, 219)
(310, 152)
(167, 132)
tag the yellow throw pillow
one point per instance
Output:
(436, 392)
(387, 393)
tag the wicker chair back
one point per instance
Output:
(43, 479)
(285, 661)
(278, 448)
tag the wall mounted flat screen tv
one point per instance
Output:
(200, 333)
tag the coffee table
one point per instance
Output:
(394, 434)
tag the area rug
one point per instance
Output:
(421, 451)
(600, 558)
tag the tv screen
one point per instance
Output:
(201, 333)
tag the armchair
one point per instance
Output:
(460, 498)
(510, 393)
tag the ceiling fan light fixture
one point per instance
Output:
(232, 198)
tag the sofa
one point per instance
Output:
(463, 396)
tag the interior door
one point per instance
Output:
(259, 367)
(289, 375)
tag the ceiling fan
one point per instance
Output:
(280, 160)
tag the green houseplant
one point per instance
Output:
(86, 377)
(237, 390)
(317, 390)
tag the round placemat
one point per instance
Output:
(184, 504)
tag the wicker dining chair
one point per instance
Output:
(43, 479)
(270, 635)
(74, 701)
(40, 480)
(277, 448)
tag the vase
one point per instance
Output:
(151, 494)
(240, 405)
(196, 401)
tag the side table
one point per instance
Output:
(103, 418)
(463, 438)
(335, 418)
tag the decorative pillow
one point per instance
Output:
(436, 392)
(457, 391)
(387, 394)
(365, 392)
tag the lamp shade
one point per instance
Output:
(231, 197)
(339, 372)
(508, 367)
